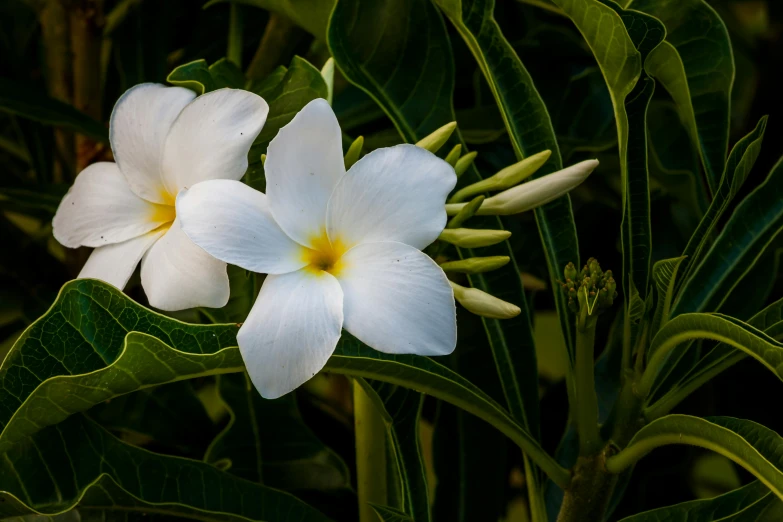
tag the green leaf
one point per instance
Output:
(740, 162)
(91, 343)
(620, 59)
(200, 78)
(388, 514)
(530, 128)
(664, 276)
(753, 446)
(753, 225)
(696, 66)
(78, 462)
(267, 441)
(36, 200)
(733, 332)
(27, 102)
(310, 15)
(403, 410)
(286, 91)
(751, 503)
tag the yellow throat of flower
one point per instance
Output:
(325, 256)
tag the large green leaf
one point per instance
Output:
(95, 343)
(741, 160)
(696, 66)
(753, 225)
(620, 59)
(310, 15)
(733, 332)
(751, 503)
(530, 128)
(201, 78)
(78, 462)
(753, 446)
(29, 103)
(267, 441)
(402, 409)
(695, 373)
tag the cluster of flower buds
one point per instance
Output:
(590, 290)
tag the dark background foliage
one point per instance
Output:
(144, 40)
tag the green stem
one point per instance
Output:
(277, 45)
(587, 401)
(370, 432)
(235, 30)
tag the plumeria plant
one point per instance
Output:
(332, 270)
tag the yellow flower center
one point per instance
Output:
(162, 213)
(325, 256)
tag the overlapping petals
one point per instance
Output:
(164, 140)
(351, 257)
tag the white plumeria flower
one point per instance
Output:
(342, 250)
(164, 141)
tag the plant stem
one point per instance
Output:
(235, 31)
(587, 401)
(588, 496)
(370, 432)
(86, 39)
(277, 44)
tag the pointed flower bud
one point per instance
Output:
(354, 152)
(532, 194)
(476, 265)
(464, 163)
(473, 238)
(452, 157)
(483, 304)
(467, 211)
(570, 273)
(506, 178)
(437, 139)
(328, 75)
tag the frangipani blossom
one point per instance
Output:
(164, 140)
(342, 250)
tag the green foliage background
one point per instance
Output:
(116, 411)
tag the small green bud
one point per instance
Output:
(437, 139)
(473, 238)
(468, 211)
(476, 265)
(464, 163)
(327, 73)
(506, 178)
(263, 159)
(570, 272)
(453, 156)
(484, 304)
(354, 152)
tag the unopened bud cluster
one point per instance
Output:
(591, 290)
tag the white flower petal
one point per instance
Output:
(115, 263)
(291, 331)
(140, 122)
(392, 194)
(233, 223)
(397, 300)
(211, 138)
(100, 209)
(176, 274)
(303, 164)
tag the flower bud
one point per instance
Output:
(467, 211)
(476, 265)
(506, 178)
(327, 73)
(464, 163)
(453, 156)
(484, 304)
(437, 139)
(473, 238)
(354, 152)
(570, 272)
(532, 194)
